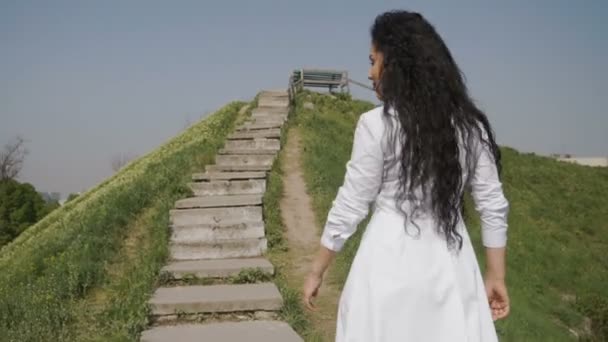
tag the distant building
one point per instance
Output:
(588, 161)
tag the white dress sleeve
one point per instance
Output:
(361, 184)
(490, 202)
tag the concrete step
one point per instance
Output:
(223, 216)
(273, 102)
(237, 168)
(219, 249)
(257, 134)
(204, 233)
(255, 144)
(277, 122)
(213, 176)
(219, 201)
(269, 111)
(251, 331)
(220, 268)
(241, 162)
(215, 298)
(273, 109)
(259, 126)
(224, 151)
(268, 119)
(233, 187)
(274, 93)
(244, 160)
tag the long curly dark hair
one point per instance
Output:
(423, 84)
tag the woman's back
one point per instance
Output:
(379, 127)
(407, 264)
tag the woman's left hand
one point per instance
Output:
(498, 298)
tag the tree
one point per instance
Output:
(71, 197)
(11, 158)
(48, 208)
(20, 207)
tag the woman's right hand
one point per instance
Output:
(311, 289)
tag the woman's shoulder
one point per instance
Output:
(372, 118)
(374, 113)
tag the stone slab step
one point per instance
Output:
(224, 151)
(269, 110)
(268, 119)
(212, 176)
(206, 233)
(274, 93)
(230, 187)
(220, 268)
(251, 331)
(255, 144)
(219, 201)
(259, 126)
(261, 133)
(277, 122)
(244, 160)
(224, 216)
(215, 298)
(272, 112)
(237, 168)
(273, 102)
(218, 249)
(271, 107)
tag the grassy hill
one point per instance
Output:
(85, 271)
(558, 235)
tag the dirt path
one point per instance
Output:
(303, 234)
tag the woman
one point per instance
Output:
(415, 276)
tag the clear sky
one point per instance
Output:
(84, 81)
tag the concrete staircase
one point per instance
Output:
(219, 233)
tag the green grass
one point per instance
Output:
(48, 273)
(558, 226)
(330, 123)
(116, 310)
(292, 311)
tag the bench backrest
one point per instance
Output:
(332, 79)
(320, 78)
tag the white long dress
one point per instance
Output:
(405, 284)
